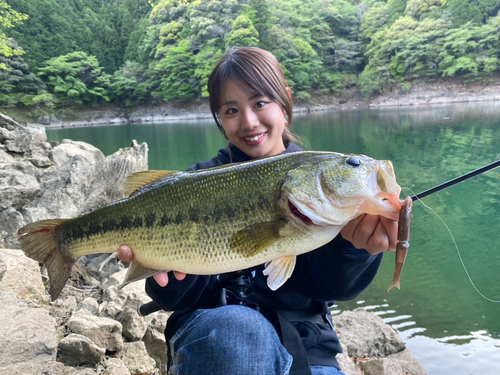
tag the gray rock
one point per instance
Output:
(10, 221)
(364, 333)
(21, 276)
(346, 364)
(115, 366)
(24, 368)
(26, 334)
(67, 150)
(54, 368)
(6, 160)
(154, 339)
(89, 304)
(26, 139)
(103, 265)
(75, 350)
(110, 175)
(136, 358)
(41, 162)
(104, 332)
(24, 166)
(395, 364)
(132, 295)
(134, 325)
(16, 189)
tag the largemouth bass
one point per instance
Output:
(222, 219)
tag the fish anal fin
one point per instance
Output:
(279, 270)
(137, 271)
(139, 179)
(256, 238)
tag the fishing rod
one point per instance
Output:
(456, 180)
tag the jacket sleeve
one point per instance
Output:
(336, 271)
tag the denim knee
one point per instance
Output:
(228, 340)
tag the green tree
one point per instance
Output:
(464, 11)
(396, 9)
(176, 73)
(262, 19)
(376, 18)
(76, 78)
(243, 33)
(17, 83)
(128, 85)
(8, 19)
(212, 20)
(470, 50)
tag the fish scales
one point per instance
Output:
(217, 220)
(208, 220)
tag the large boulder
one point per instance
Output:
(374, 345)
(17, 189)
(27, 333)
(104, 332)
(21, 276)
(38, 181)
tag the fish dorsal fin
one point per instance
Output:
(256, 238)
(279, 270)
(137, 271)
(137, 180)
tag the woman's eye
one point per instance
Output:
(260, 104)
(231, 111)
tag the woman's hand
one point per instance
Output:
(125, 254)
(372, 232)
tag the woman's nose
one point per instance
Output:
(250, 119)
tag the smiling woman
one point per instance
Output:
(251, 102)
(252, 122)
(252, 106)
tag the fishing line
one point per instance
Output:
(456, 246)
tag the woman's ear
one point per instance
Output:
(289, 92)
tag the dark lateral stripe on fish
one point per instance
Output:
(150, 220)
(126, 222)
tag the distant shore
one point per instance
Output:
(419, 94)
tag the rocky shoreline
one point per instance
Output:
(94, 327)
(441, 92)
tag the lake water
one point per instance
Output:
(445, 322)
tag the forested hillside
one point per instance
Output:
(57, 53)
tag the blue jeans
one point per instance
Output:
(231, 340)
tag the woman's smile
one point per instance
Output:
(253, 122)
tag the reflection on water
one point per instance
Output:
(445, 323)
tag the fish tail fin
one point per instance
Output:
(39, 241)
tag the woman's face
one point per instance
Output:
(252, 122)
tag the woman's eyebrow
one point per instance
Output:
(231, 102)
(228, 102)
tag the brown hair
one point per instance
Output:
(259, 70)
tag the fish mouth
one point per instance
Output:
(296, 212)
(387, 205)
(384, 192)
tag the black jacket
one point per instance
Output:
(335, 271)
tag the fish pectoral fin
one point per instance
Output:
(137, 180)
(136, 272)
(256, 238)
(279, 270)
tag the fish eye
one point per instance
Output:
(353, 161)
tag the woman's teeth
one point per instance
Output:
(254, 139)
